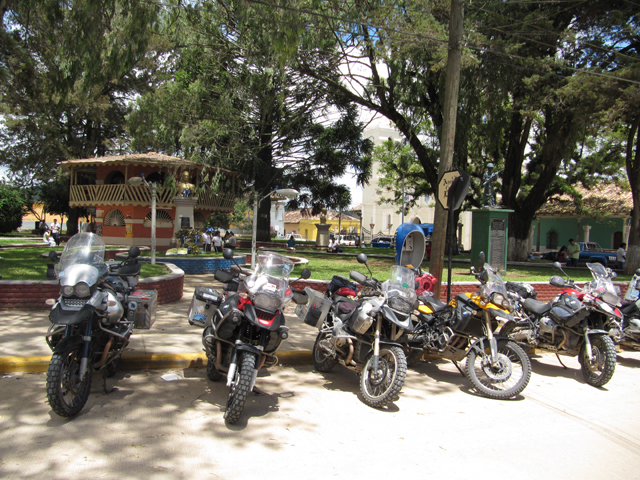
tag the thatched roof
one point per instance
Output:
(149, 158)
(611, 198)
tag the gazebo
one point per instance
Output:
(122, 212)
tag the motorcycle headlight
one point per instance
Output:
(264, 301)
(499, 299)
(82, 290)
(400, 304)
(67, 291)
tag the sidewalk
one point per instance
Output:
(170, 343)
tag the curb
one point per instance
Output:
(146, 361)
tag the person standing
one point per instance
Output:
(232, 242)
(621, 256)
(55, 231)
(217, 242)
(573, 253)
(43, 227)
(206, 238)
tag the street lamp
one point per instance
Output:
(285, 192)
(136, 182)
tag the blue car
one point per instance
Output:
(381, 242)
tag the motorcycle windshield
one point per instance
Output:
(495, 283)
(602, 285)
(269, 286)
(82, 257)
(399, 290)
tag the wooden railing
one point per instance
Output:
(93, 195)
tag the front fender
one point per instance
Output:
(593, 331)
(483, 342)
(67, 343)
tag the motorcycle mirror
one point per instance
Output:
(53, 256)
(362, 258)
(227, 254)
(134, 252)
(557, 265)
(482, 258)
(638, 271)
(306, 273)
(613, 275)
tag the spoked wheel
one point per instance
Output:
(507, 378)
(379, 387)
(240, 387)
(66, 393)
(599, 369)
(322, 360)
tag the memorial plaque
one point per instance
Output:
(185, 222)
(498, 243)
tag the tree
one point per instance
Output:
(234, 101)
(68, 72)
(12, 207)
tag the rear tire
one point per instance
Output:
(322, 361)
(66, 394)
(506, 380)
(599, 371)
(414, 358)
(240, 387)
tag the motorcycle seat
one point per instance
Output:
(435, 304)
(534, 306)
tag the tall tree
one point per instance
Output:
(236, 103)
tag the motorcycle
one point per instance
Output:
(626, 332)
(92, 320)
(496, 366)
(361, 333)
(244, 326)
(572, 324)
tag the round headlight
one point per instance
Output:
(67, 291)
(82, 289)
(264, 301)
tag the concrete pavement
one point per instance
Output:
(170, 343)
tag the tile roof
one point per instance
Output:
(296, 215)
(608, 198)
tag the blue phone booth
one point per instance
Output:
(410, 244)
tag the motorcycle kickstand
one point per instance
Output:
(104, 383)
(257, 391)
(458, 367)
(561, 361)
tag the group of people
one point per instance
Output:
(50, 233)
(571, 254)
(214, 242)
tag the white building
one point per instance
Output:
(383, 219)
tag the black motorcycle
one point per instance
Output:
(244, 326)
(361, 333)
(92, 319)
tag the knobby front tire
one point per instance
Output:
(66, 394)
(599, 371)
(505, 380)
(380, 387)
(240, 387)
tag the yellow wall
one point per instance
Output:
(307, 227)
(29, 217)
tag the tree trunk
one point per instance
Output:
(633, 172)
(72, 221)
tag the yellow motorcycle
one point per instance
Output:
(496, 366)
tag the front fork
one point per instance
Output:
(493, 344)
(376, 345)
(234, 361)
(84, 360)
(587, 346)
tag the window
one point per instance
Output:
(163, 220)
(552, 239)
(115, 178)
(114, 218)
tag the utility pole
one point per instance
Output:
(448, 134)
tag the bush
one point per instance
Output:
(11, 209)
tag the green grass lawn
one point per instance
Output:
(27, 264)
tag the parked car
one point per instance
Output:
(348, 240)
(590, 252)
(296, 236)
(382, 242)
